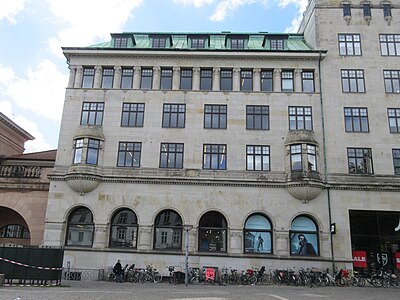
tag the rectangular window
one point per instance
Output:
(226, 80)
(257, 158)
(215, 116)
(198, 43)
(186, 79)
(366, 10)
(206, 79)
(392, 81)
(396, 161)
(108, 78)
(92, 113)
(171, 156)
(166, 79)
(353, 81)
(238, 43)
(246, 80)
(78, 150)
(174, 116)
(346, 10)
(88, 77)
(307, 81)
(277, 44)
(159, 42)
(257, 117)
(121, 42)
(300, 118)
(129, 154)
(387, 10)
(267, 80)
(349, 44)
(146, 81)
(360, 160)
(356, 119)
(394, 120)
(295, 158)
(126, 78)
(390, 44)
(311, 158)
(287, 81)
(214, 157)
(164, 237)
(93, 151)
(132, 115)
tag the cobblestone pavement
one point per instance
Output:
(99, 290)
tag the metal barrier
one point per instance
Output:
(78, 274)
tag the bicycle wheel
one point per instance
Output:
(324, 281)
(110, 276)
(252, 280)
(266, 279)
(353, 281)
(377, 282)
(157, 277)
(224, 279)
(361, 281)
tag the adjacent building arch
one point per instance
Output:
(13, 228)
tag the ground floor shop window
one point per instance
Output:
(304, 237)
(212, 232)
(124, 229)
(257, 235)
(375, 239)
(80, 228)
(168, 231)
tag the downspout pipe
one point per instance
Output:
(321, 99)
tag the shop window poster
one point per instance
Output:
(305, 244)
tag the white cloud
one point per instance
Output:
(42, 91)
(225, 6)
(6, 74)
(301, 5)
(85, 21)
(10, 8)
(195, 3)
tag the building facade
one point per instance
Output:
(24, 186)
(260, 146)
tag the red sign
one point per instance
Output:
(360, 259)
(210, 273)
(397, 258)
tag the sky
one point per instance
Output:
(33, 69)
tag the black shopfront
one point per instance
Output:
(375, 239)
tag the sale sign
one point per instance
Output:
(360, 259)
(397, 258)
(210, 273)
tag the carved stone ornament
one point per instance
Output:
(304, 192)
(82, 184)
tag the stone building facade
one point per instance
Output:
(264, 148)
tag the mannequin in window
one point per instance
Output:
(260, 245)
(306, 248)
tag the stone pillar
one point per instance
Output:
(72, 74)
(100, 236)
(257, 80)
(216, 79)
(236, 238)
(144, 240)
(316, 82)
(136, 77)
(277, 80)
(175, 78)
(156, 78)
(117, 77)
(78, 77)
(97, 77)
(54, 234)
(297, 80)
(236, 79)
(282, 243)
(196, 79)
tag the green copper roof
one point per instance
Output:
(213, 41)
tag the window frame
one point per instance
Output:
(307, 81)
(83, 225)
(301, 115)
(396, 161)
(357, 118)
(127, 79)
(107, 78)
(88, 78)
(186, 79)
(367, 166)
(159, 42)
(391, 80)
(226, 82)
(174, 115)
(287, 78)
(132, 111)
(120, 224)
(206, 80)
(238, 43)
(215, 116)
(246, 80)
(210, 153)
(268, 77)
(248, 230)
(252, 157)
(348, 44)
(394, 115)
(206, 227)
(277, 44)
(389, 44)
(198, 42)
(353, 78)
(131, 150)
(121, 42)
(296, 151)
(298, 232)
(92, 113)
(146, 78)
(171, 150)
(15, 231)
(166, 76)
(175, 227)
(257, 114)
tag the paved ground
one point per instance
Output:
(99, 290)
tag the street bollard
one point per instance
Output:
(2, 278)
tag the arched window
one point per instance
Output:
(257, 234)
(168, 231)
(212, 232)
(124, 229)
(80, 228)
(14, 231)
(304, 237)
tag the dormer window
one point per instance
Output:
(237, 43)
(276, 44)
(159, 42)
(198, 42)
(121, 42)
